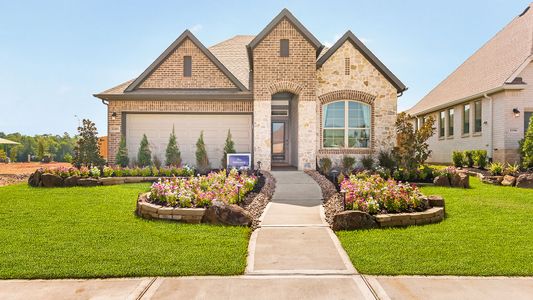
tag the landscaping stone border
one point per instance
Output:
(349, 220)
(149, 210)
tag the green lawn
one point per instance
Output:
(93, 232)
(488, 230)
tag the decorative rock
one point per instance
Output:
(220, 213)
(51, 180)
(87, 182)
(492, 179)
(460, 180)
(71, 181)
(441, 181)
(111, 180)
(353, 219)
(525, 181)
(435, 201)
(35, 179)
(508, 180)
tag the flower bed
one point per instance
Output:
(373, 194)
(203, 190)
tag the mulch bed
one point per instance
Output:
(9, 179)
(256, 201)
(332, 199)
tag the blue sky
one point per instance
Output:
(55, 54)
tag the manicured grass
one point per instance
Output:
(488, 230)
(93, 232)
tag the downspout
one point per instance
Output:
(491, 127)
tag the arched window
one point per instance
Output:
(346, 124)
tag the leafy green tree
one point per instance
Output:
(144, 157)
(202, 161)
(526, 146)
(412, 149)
(229, 147)
(40, 149)
(173, 154)
(87, 151)
(122, 158)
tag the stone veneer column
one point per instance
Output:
(262, 134)
(307, 125)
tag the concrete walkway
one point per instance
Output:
(292, 255)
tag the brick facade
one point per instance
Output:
(170, 73)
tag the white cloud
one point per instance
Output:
(196, 28)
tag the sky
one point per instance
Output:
(54, 55)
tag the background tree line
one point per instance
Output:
(39, 147)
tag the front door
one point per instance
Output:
(279, 142)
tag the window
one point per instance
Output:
(284, 48)
(187, 66)
(347, 66)
(450, 122)
(442, 120)
(466, 119)
(477, 116)
(346, 124)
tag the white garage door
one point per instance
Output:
(158, 127)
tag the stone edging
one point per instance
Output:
(429, 216)
(149, 210)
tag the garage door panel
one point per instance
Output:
(158, 127)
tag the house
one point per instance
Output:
(286, 98)
(486, 103)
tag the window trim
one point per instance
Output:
(346, 127)
(187, 66)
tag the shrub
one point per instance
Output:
(229, 147)
(118, 171)
(157, 162)
(155, 171)
(3, 156)
(145, 172)
(480, 158)
(84, 171)
(73, 172)
(458, 158)
(526, 146)
(386, 160)
(374, 194)
(122, 158)
(68, 157)
(134, 172)
(94, 172)
(496, 168)
(468, 158)
(201, 191)
(412, 149)
(126, 172)
(165, 172)
(325, 165)
(144, 157)
(172, 154)
(202, 161)
(87, 150)
(348, 163)
(107, 171)
(512, 169)
(368, 162)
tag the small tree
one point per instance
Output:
(412, 149)
(144, 157)
(87, 150)
(202, 161)
(229, 147)
(173, 154)
(122, 158)
(40, 149)
(526, 146)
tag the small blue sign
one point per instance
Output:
(239, 161)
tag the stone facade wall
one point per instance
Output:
(114, 129)
(205, 74)
(296, 74)
(348, 75)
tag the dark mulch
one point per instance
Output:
(256, 201)
(332, 199)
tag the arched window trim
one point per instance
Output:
(346, 127)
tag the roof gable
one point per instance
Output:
(350, 37)
(285, 13)
(186, 35)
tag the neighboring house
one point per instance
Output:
(487, 101)
(285, 98)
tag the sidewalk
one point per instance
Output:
(292, 255)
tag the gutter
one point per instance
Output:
(491, 127)
(472, 97)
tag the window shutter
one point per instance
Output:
(187, 66)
